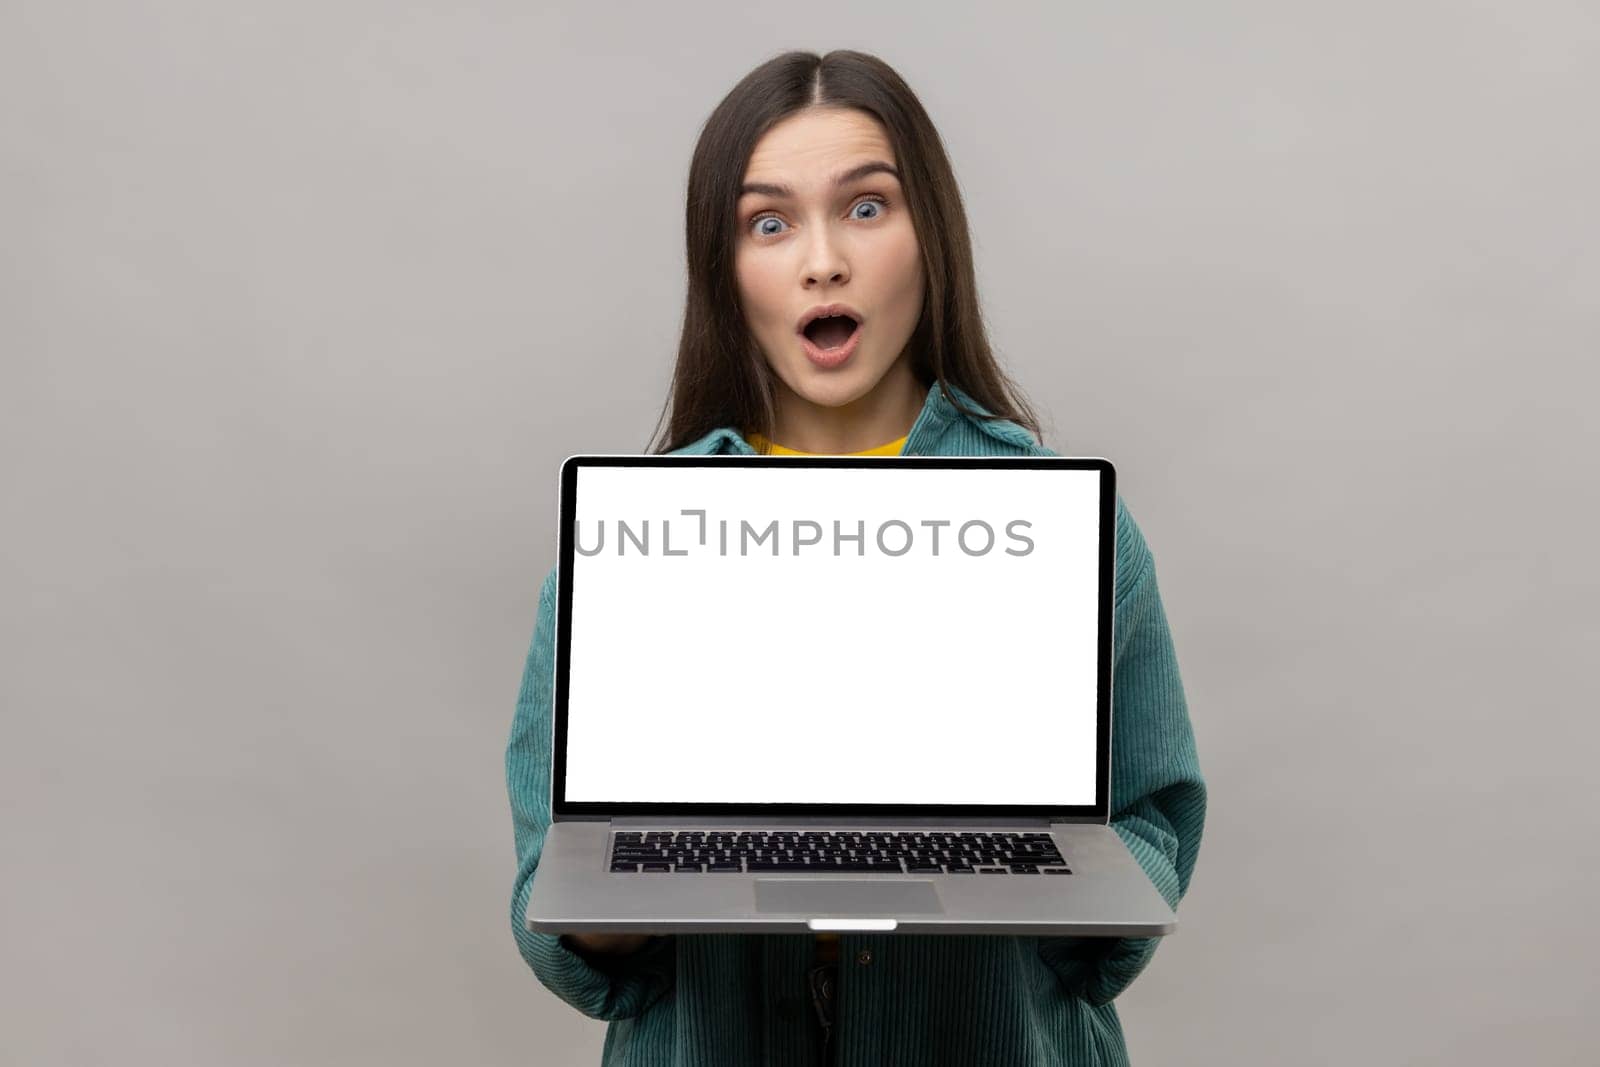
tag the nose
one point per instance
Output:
(824, 262)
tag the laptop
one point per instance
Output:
(836, 693)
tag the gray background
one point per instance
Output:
(303, 303)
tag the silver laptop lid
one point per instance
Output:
(770, 636)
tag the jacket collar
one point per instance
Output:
(927, 437)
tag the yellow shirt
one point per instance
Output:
(827, 944)
(770, 448)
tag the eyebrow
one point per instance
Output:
(876, 166)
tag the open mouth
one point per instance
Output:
(830, 331)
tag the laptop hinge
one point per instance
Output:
(889, 821)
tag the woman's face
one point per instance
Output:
(827, 243)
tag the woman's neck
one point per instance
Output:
(884, 414)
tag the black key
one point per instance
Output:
(991, 870)
(630, 867)
(922, 868)
(1056, 870)
(655, 866)
(691, 867)
(1024, 868)
(724, 867)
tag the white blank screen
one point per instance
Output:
(951, 673)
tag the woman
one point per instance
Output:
(820, 181)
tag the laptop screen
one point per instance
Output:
(911, 633)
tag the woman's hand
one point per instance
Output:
(609, 944)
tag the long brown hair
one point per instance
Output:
(721, 377)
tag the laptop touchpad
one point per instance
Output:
(845, 897)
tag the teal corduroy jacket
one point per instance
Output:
(723, 1000)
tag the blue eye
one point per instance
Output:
(878, 204)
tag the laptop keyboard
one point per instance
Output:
(885, 852)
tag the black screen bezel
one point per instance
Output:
(561, 808)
